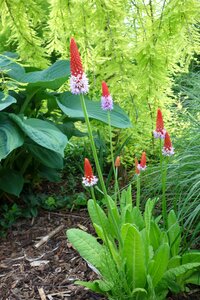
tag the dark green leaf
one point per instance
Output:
(6, 100)
(11, 182)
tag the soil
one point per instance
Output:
(21, 279)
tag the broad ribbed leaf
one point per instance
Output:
(11, 182)
(148, 213)
(155, 235)
(46, 156)
(71, 106)
(11, 137)
(97, 215)
(52, 77)
(159, 266)
(6, 100)
(133, 254)
(10, 67)
(42, 133)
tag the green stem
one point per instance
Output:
(138, 192)
(164, 203)
(98, 165)
(27, 100)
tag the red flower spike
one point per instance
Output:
(142, 165)
(137, 171)
(117, 162)
(160, 130)
(105, 91)
(89, 179)
(167, 150)
(75, 59)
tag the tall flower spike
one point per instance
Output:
(78, 80)
(106, 99)
(137, 171)
(142, 165)
(89, 179)
(167, 150)
(160, 130)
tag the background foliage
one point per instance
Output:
(137, 46)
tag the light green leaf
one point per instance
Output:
(148, 213)
(174, 233)
(11, 137)
(6, 100)
(133, 255)
(159, 266)
(42, 133)
(97, 214)
(71, 106)
(98, 286)
(87, 246)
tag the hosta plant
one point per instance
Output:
(33, 130)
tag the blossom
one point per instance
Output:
(137, 171)
(89, 179)
(142, 165)
(117, 162)
(106, 99)
(167, 150)
(78, 80)
(160, 130)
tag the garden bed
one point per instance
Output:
(21, 279)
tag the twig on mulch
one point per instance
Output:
(42, 294)
(48, 236)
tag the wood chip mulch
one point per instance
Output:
(49, 271)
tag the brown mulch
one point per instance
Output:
(21, 280)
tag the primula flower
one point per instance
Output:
(106, 99)
(142, 165)
(117, 162)
(78, 80)
(89, 179)
(160, 130)
(137, 171)
(167, 150)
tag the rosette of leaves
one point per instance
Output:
(147, 264)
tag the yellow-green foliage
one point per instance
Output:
(137, 47)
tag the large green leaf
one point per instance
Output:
(11, 137)
(160, 263)
(174, 233)
(133, 254)
(42, 133)
(46, 156)
(11, 182)
(97, 215)
(87, 246)
(10, 67)
(71, 106)
(52, 77)
(6, 100)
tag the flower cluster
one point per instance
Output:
(160, 130)
(161, 133)
(89, 179)
(142, 165)
(78, 80)
(106, 99)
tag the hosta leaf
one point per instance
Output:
(46, 156)
(71, 106)
(42, 133)
(133, 254)
(11, 137)
(11, 182)
(6, 100)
